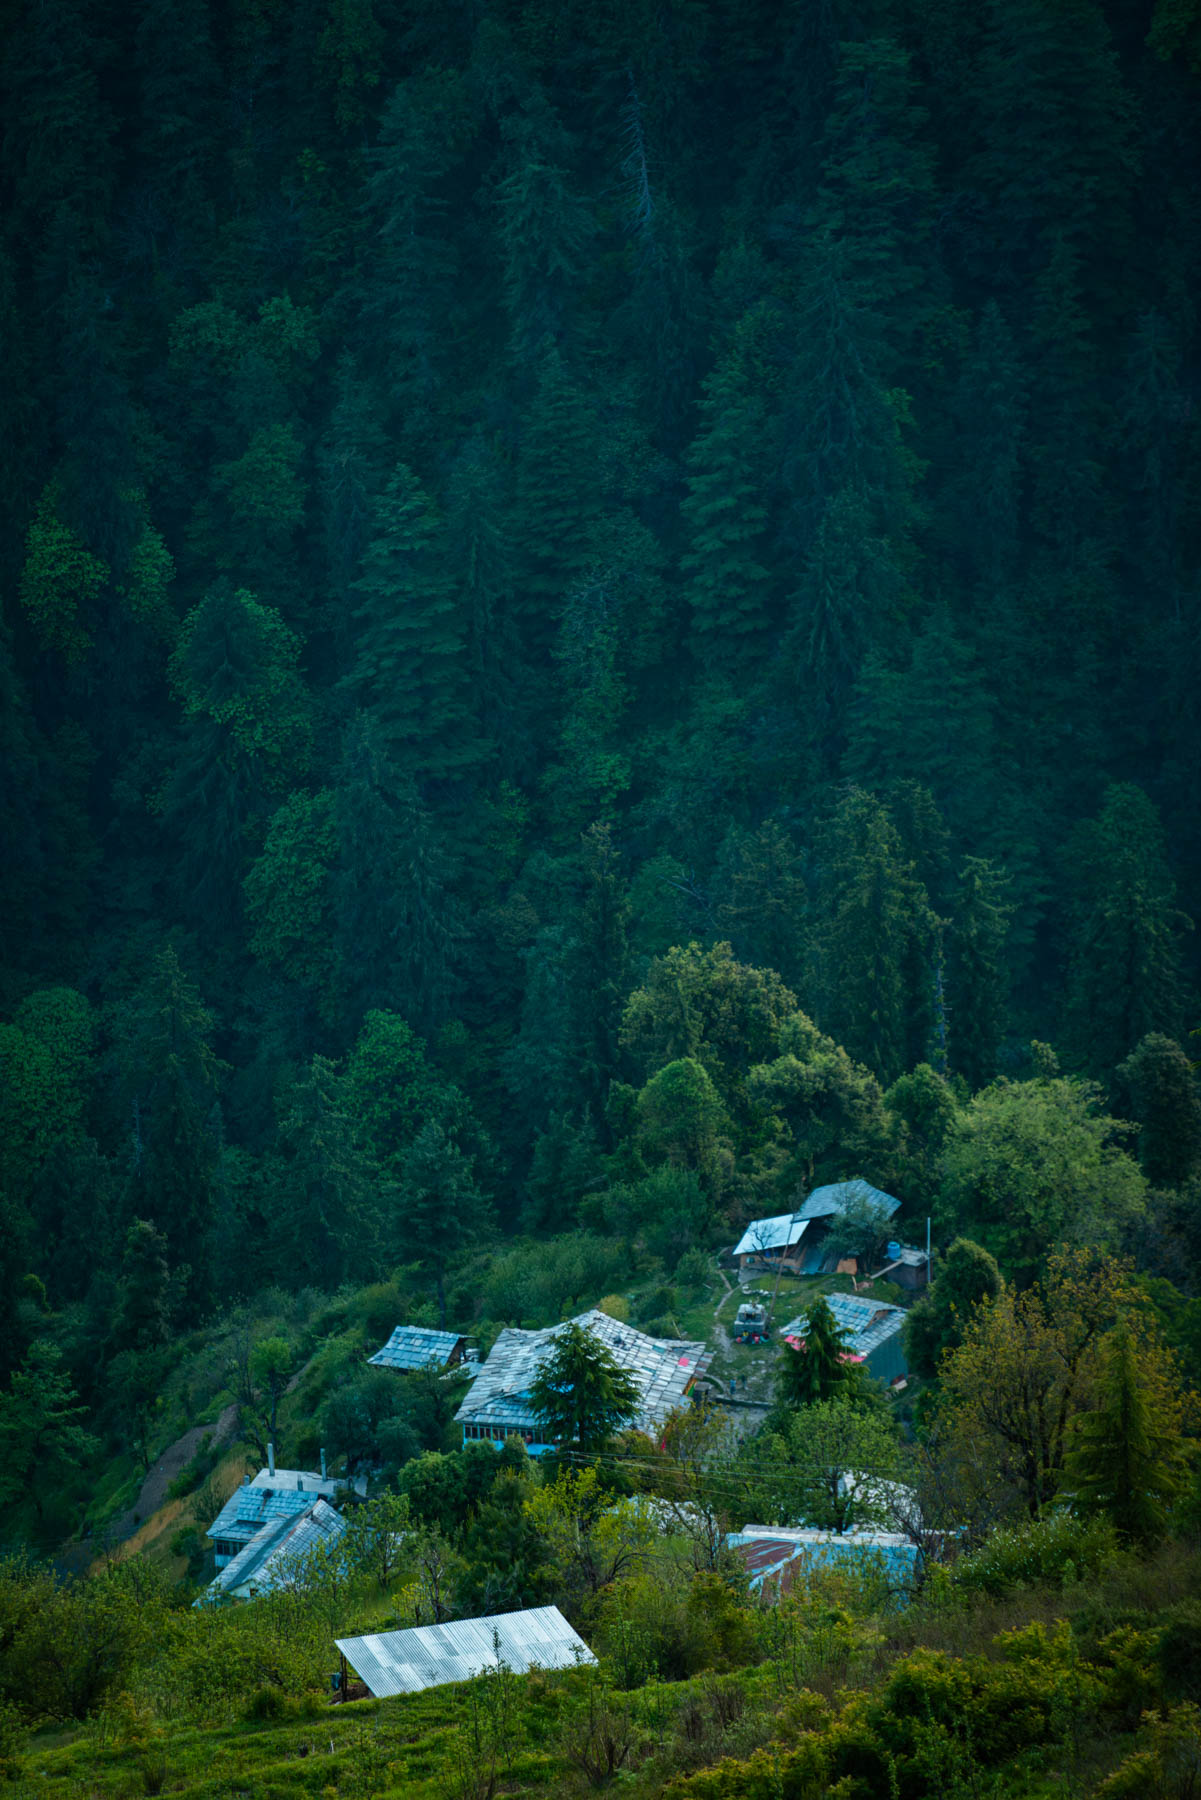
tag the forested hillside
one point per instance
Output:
(600, 623)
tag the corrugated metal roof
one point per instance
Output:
(276, 1548)
(403, 1662)
(824, 1202)
(662, 1369)
(416, 1347)
(770, 1234)
(868, 1323)
(774, 1556)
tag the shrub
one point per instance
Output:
(1051, 1552)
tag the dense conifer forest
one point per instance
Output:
(601, 624)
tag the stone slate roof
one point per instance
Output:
(275, 1549)
(662, 1369)
(868, 1323)
(416, 1347)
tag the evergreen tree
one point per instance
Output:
(976, 970)
(874, 935)
(556, 503)
(42, 1443)
(545, 232)
(328, 1190)
(725, 511)
(441, 1210)
(984, 489)
(581, 1394)
(1126, 1458)
(410, 672)
(1162, 1088)
(815, 1366)
(1124, 977)
(967, 1276)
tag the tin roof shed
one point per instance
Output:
(775, 1556)
(785, 1229)
(404, 1662)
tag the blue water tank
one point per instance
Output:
(894, 1252)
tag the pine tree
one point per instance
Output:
(1124, 974)
(977, 975)
(411, 672)
(441, 1210)
(874, 931)
(351, 462)
(557, 502)
(545, 232)
(815, 1368)
(1161, 1084)
(725, 511)
(1126, 1458)
(983, 494)
(581, 1394)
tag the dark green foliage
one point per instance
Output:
(1162, 1088)
(815, 1368)
(967, 1274)
(581, 1394)
(1126, 1461)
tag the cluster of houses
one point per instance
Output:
(276, 1519)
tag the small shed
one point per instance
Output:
(274, 1554)
(775, 1557)
(418, 1347)
(425, 1656)
(771, 1243)
(873, 1332)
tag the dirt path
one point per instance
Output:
(174, 1459)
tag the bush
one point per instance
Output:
(1180, 1652)
(541, 1282)
(694, 1269)
(1051, 1552)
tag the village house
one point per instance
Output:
(498, 1406)
(775, 1557)
(425, 1656)
(873, 1333)
(275, 1554)
(797, 1241)
(419, 1347)
(273, 1494)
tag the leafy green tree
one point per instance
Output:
(45, 1076)
(61, 581)
(441, 1211)
(375, 1537)
(43, 1442)
(924, 1104)
(1032, 1163)
(329, 1189)
(288, 901)
(144, 1309)
(1126, 1457)
(680, 1116)
(271, 1363)
(831, 1109)
(817, 1365)
(1161, 1083)
(967, 1276)
(836, 1461)
(581, 1394)
(1124, 978)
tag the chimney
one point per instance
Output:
(245, 1481)
(324, 1476)
(300, 1484)
(271, 1461)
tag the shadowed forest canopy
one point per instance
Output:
(601, 623)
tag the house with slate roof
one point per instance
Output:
(796, 1240)
(498, 1406)
(417, 1347)
(274, 1554)
(273, 1494)
(873, 1333)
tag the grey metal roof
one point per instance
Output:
(867, 1323)
(661, 1368)
(275, 1550)
(403, 1662)
(824, 1202)
(769, 1234)
(416, 1347)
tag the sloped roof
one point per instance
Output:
(824, 1202)
(403, 1662)
(770, 1234)
(868, 1323)
(276, 1548)
(662, 1369)
(248, 1509)
(416, 1347)
(773, 1555)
